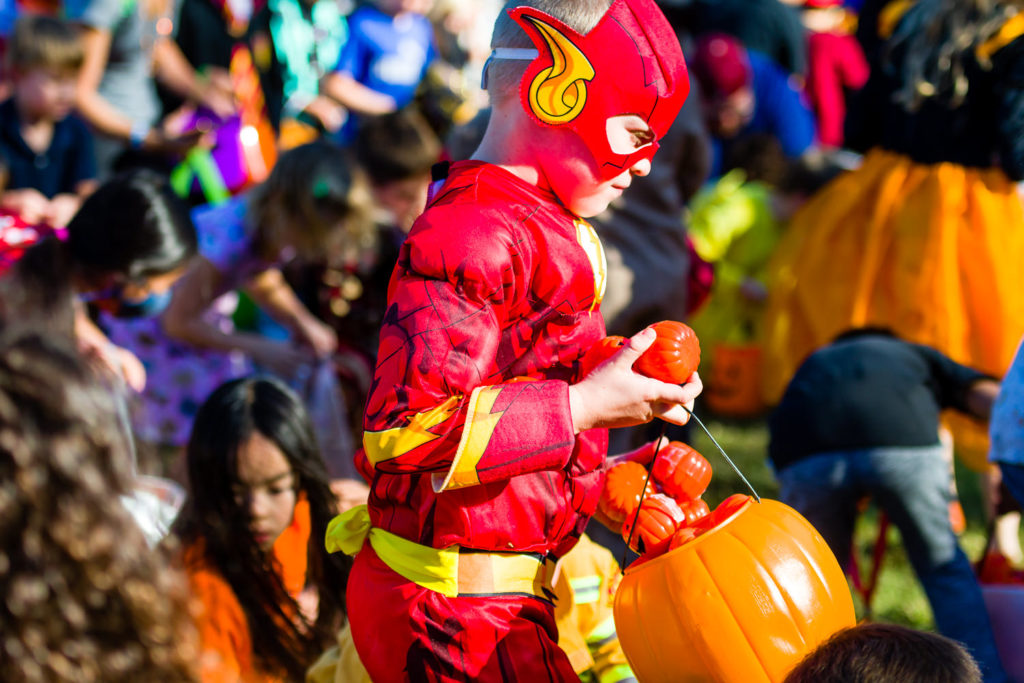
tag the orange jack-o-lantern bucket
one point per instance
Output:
(743, 601)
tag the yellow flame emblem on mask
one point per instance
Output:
(558, 93)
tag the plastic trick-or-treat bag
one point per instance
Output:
(245, 144)
(320, 391)
(238, 158)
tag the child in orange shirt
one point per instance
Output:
(269, 597)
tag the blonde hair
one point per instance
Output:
(317, 200)
(83, 598)
(503, 76)
(40, 41)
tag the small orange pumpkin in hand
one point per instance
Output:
(672, 358)
(674, 355)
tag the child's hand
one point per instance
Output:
(329, 113)
(28, 203)
(309, 603)
(349, 493)
(116, 361)
(317, 335)
(63, 208)
(613, 395)
(216, 92)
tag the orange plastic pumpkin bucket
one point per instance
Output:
(744, 601)
(734, 387)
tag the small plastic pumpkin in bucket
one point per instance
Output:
(744, 600)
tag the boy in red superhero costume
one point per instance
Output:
(487, 447)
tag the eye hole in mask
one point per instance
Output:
(628, 133)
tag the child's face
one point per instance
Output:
(571, 171)
(266, 487)
(404, 199)
(45, 93)
(726, 116)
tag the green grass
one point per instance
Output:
(898, 597)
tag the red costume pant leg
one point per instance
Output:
(404, 632)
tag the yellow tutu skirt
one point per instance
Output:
(933, 252)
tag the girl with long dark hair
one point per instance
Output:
(271, 597)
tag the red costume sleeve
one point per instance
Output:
(456, 331)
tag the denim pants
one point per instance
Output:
(1013, 479)
(912, 485)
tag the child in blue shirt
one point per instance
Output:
(390, 46)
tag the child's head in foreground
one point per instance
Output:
(886, 653)
(582, 91)
(44, 56)
(83, 598)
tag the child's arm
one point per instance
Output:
(175, 72)
(442, 400)
(106, 119)
(183, 320)
(275, 296)
(354, 95)
(95, 345)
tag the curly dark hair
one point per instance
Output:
(82, 596)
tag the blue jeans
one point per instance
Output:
(912, 485)
(1013, 479)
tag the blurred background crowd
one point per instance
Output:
(202, 201)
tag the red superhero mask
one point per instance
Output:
(630, 63)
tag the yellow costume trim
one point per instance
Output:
(393, 443)
(585, 589)
(603, 631)
(591, 243)
(436, 569)
(617, 674)
(450, 571)
(559, 92)
(476, 434)
(1010, 31)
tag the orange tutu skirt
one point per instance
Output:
(933, 252)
